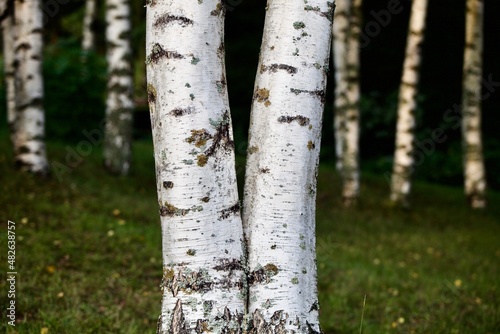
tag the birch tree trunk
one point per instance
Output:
(204, 282)
(119, 103)
(341, 30)
(29, 120)
(282, 162)
(88, 41)
(474, 171)
(7, 12)
(346, 32)
(405, 129)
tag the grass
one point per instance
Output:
(88, 254)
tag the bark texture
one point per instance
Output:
(403, 166)
(119, 102)
(280, 185)
(474, 171)
(28, 123)
(88, 41)
(346, 32)
(204, 282)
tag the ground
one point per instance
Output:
(88, 253)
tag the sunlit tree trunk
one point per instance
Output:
(88, 41)
(346, 33)
(280, 185)
(119, 103)
(405, 129)
(204, 283)
(29, 120)
(7, 12)
(475, 180)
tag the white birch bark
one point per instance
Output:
(8, 59)
(403, 165)
(350, 153)
(204, 283)
(280, 185)
(119, 102)
(29, 120)
(88, 40)
(341, 30)
(474, 171)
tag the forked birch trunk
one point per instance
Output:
(403, 166)
(119, 102)
(474, 171)
(282, 165)
(88, 41)
(29, 119)
(204, 282)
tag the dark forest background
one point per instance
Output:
(75, 91)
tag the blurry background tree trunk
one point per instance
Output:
(282, 162)
(346, 32)
(403, 166)
(204, 283)
(119, 103)
(474, 171)
(7, 12)
(29, 120)
(88, 41)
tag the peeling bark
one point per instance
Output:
(204, 260)
(474, 170)
(119, 102)
(28, 124)
(405, 129)
(280, 183)
(346, 33)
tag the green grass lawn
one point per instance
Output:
(89, 254)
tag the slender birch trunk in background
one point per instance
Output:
(204, 283)
(405, 129)
(88, 40)
(29, 120)
(341, 30)
(7, 12)
(282, 165)
(350, 114)
(119, 103)
(474, 171)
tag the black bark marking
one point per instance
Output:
(164, 20)
(158, 52)
(276, 325)
(302, 120)
(316, 93)
(178, 324)
(229, 265)
(205, 199)
(221, 138)
(275, 67)
(187, 281)
(168, 184)
(264, 170)
(178, 112)
(235, 209)
(263, 275)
